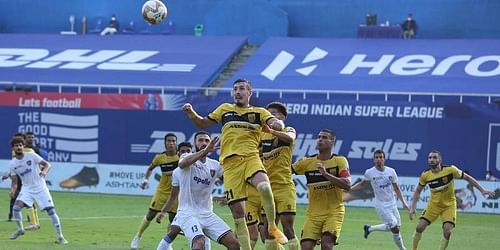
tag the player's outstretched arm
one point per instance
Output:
(416, 197)
(276, 124)
(169, 204)
(359, 185)
(472, 181)
(192, 158)
(341, 182)
(199, 121)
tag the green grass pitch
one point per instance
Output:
(96, 221)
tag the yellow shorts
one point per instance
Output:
(159, 199)
(237, 171)
(253, 206)
(447, 214)
(316, 225)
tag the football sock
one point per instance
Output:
(55, 221)
(18, 216)
(164, 243)
(293, 244)
(242, 233)
(416, 240)
(398, 240)
(380, 227)
(267, 201)
(253, 243)
(32, 216)
(444, 244)
(144, 224)
(271, 244)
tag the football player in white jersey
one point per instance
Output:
(32, 169)
(195, 178)
(384, 181)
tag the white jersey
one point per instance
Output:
(381, 182)
(28, 170)
(196, 183)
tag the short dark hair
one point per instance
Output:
(19, 134)
(16, 140)
(279, 106)
(184, 144)
(169, 135)
(379, 151)
(201, 132)
(243, 80)
(437, 152)
(331, 132)
(30, 133)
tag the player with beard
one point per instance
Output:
(240, 137)
(440, 179)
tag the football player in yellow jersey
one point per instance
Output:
(167, 161)
(240, 138)
(326, 174)
(443, 202)
(277, 152)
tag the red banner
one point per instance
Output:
(90, 100)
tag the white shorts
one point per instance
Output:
(210, 225)
(389, 215)
(42, 198)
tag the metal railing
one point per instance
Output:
(210, 91)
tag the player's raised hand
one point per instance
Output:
(277, 124)
(266, 129)
(212, 146)
(188, 108)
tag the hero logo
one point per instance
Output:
(85, 58)
(408, 65)
(401, 151)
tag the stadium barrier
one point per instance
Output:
(123, 179)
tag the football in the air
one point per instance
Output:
(154, 11)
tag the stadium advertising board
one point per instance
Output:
(433, 66)
(126, 60)
(466, 134)
(126, 179)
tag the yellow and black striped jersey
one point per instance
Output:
(441, 184)
(25, 150)
(167, 164)
(241, 128)
(277, 158)
(324, 196)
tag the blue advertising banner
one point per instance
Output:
(468, 135)
(153, 60)
(449, 66)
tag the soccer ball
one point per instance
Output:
(154, 11)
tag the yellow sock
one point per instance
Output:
(416, 240)
(33, 219)
(267, 200)
(444, 244)
(293, 244)
(253, 243)
(242, 233)
(144, 224)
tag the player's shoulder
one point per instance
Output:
(390, 169)
(226, 105)
(213, 161)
